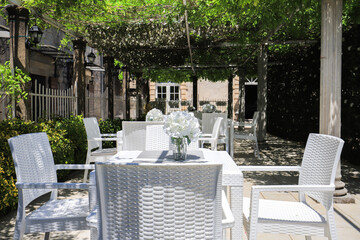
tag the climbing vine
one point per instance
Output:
(13, 84)
(151, 34)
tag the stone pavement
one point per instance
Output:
(274, 151)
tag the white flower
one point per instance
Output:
(182, 125)
(208, 108)
(154, 115)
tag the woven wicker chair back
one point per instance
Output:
(134, 134)
(159, 201)
(216, 128)
(208, 121)
(92, 131)
(156, 138)
(33, 162)
(320, 160)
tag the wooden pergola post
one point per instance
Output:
(330, 81)
(262, 92)
(109, 82)
(195, 91)
(241, 114)
(19, 55)
(230, 97)
(79, 76)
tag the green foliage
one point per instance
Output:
(13, 84)
(110, 126)
(185, 103)
(151, 34)
(221, 103)
(204, 102)
(350, 108)
(158, 103)
(168, 75)
(119, 65)
(74, 131)
(174, 104)
(294, 92)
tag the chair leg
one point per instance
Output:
(47, 236)
(19, 231)
(86, 170)
(331, 228)
(256, 149)
(20, 224)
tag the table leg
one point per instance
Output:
(236, 208)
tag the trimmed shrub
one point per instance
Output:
(110, 126)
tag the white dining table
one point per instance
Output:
(232, 177)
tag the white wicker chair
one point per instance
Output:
(95, 139)
(213, 137)
(208, 120)
(36, 176)
(156, 138)
(134, 134)
(160, 201)
(248, 135)
(194, 145)
(316, 179)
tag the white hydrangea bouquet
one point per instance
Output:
(154, 115)
(208, 108)
(183, 128)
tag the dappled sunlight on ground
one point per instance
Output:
(276, 152)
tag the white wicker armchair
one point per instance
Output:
(95, 139)
(213, 137)
(316, 179)
(160, 201)
(248, 135)
(134, 134)
(36, 176)
(208, 120)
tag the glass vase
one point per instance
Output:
(179, 148)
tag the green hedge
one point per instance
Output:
(67, 138)
(294, 92)
(110, 126)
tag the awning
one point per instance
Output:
(53, 52)
(4, 32)
(94, 67)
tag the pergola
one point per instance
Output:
(112, 32)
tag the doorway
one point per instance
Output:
(250, 100)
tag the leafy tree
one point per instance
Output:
(13, 84)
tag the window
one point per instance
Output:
(169, 92)
(161, 92)
(174, 93)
